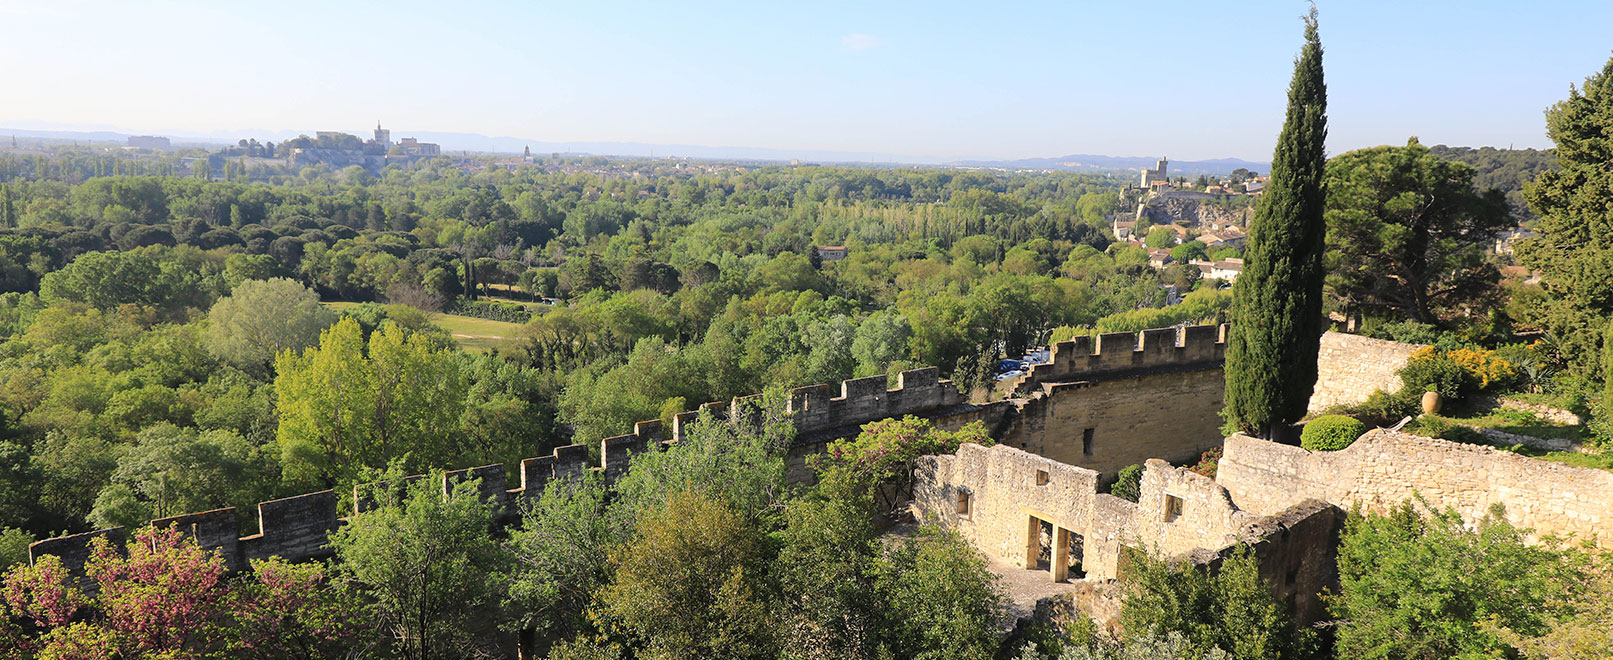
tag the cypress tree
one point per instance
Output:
(1277, 301)
(1604, 421)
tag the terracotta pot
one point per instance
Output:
(1432, 402)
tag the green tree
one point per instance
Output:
(1574, 202)
(342, 411)
(1188, 251)
(1407, 233)
(1424, 586)
(879, 459)
(941, 602)
(826, 568)
(1160, 237)
(829, 358)
(104, 280)
(560, 557)
(14, 547)
(1231, 610)
(881, 342)
(1277, 301)
(428, 563)
(1604, 417)
(261, 318)
(743, 465)
(692, 583)
(171, 470)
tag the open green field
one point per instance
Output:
(473, 334)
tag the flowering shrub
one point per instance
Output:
(1487, 367)
(43, 592)
(881, 454)
(171, 599)
(164, 596)
(1209, 463)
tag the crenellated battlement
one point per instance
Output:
(1123, 354)
(298, 528)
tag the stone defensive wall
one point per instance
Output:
(1351, 367)
(1123, 399)
(1045, 515)
(298, 528)
(1128, 354)
(1384, 468)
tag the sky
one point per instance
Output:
(931, 81)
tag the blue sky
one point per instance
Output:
(935, 80)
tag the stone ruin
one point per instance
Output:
(1288, 504)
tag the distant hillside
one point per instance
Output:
(1089, 162)
(1505, 169)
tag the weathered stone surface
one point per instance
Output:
(1014, 497)
(1016, 501)
(1351, 367)
(1384, 468)
(1154, 395)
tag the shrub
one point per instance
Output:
(1486, 367)
(1331, 432)
(1434, 426)
(1408, 332)
(1383, 408)
(1463, 434)
(1209, 463)
(492, 310)
(1129, 484)
(1432, 370)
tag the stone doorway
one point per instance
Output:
(1051, 548)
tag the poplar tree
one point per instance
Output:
(1277, 301)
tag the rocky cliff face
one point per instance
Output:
(1194, 212)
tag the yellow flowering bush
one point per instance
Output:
(1485, 366)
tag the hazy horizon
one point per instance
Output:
(926, 83)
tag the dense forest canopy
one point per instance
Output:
(1506, 170)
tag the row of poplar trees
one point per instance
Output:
(1277, 300)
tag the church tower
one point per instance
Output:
(383, 136)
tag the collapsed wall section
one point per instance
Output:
(1385, 468)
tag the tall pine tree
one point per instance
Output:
(1574, 251)
(1277, 301)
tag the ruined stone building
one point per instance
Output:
(1286, 503)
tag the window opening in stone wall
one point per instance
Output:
(1173, 508)
(1086, 441)
(963, 503)
(1041, 477)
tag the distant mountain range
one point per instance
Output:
(474, 142)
